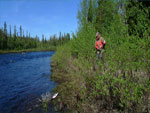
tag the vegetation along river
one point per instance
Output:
(24, 77)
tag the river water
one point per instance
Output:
(24, 77)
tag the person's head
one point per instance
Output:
(98, 36)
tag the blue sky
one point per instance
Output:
(39, 17)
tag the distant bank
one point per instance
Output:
(28, 50)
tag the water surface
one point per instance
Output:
(24, 77)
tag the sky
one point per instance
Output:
(39, 17)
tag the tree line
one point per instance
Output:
(20, 40)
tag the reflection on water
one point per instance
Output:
(23, 79)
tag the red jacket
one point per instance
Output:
(98, 44)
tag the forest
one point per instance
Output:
(19, 40)
(120, 81)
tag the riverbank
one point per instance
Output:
(28, 50)
(119, 82)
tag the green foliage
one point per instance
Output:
(117, 83)
(83, 44)
(138, 18)
(87, 12)
(105, 13)
(45, 107)
(15, 42)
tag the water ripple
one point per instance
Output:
(23, 79)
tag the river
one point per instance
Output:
(24, 77)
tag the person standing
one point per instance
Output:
(99, 45)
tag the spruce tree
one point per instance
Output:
(10, 32)
(21, 31)
(15, 32)
(5, 29)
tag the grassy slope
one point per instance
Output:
(117, 83)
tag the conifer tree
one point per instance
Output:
(105, 13)
(10, 32)
(5, 29)
(83, 13)
(20, 31)
(90, 12)
(15, 31)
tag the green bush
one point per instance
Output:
(117, 83)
